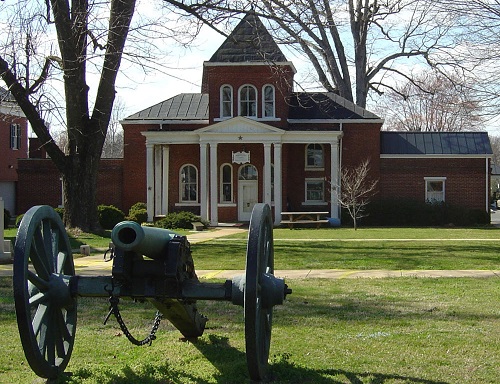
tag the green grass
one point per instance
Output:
(218, 254)
(387, 331)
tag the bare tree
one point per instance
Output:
(354, 46)
(113, 145)
(431, 102)
(51, 53)
(356, 190)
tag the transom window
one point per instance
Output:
(268, 101)
(314, 156)
(248, 172)
(315, 191)
(248, 101)
(226, 189)
(435, 189)
(189, 183)
(226, 96)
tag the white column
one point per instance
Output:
(165, 179)
(150, 193)
(278, 204)
(204, 181)
(335, 180)
(214, 219)
(158, 180)
(267, 173)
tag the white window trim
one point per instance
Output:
(313, 167)
(264, 102)
(442, 179)
(221, 186)
(256, 101)
(222, 101)
(181, 184)
(314, 202)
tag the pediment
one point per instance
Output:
(239, 125)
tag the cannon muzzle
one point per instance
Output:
(148, 241)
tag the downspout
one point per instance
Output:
(487, 185)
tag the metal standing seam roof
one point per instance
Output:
(435, 143)
(185, 106)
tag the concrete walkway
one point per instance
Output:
(95, 265)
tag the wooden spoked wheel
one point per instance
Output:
(258, 317)
(46, 312)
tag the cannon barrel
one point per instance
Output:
(148, 241)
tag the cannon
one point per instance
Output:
(148, 264)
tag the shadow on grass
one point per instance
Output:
(231, 368)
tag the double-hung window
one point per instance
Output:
(315, 191)
(435, 189)
(268, 103)
(226, 97)
(189, 184)
(15, 136)
(248, 101)
(314, 156)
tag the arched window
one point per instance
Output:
(226, 183)
(226, 101)
(189, 184)
(248, 172)
(248, 101)
(268, 101)
(314, 156)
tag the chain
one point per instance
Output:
(113, 309)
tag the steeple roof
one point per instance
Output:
(250, 41)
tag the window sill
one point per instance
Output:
(314, 169)
(187, 204)
(222, 205)
(314, 203)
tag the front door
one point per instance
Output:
(247, 191)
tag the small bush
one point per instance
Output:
(18, 219)
(60, 212)
(6, 218)
(138, 213)
(109, 216)
(175, 220)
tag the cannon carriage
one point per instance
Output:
(148, 264)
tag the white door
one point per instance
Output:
(247, 193)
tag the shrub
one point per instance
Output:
(138, 213)
(109, 216)
(18, 219)
(420, 213)
(6, 218)
(174, 220)
(60, 212)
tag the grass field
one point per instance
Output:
(389, 331)
(356, 331)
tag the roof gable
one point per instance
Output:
(240, 124)
(250, 41)
(435, 143)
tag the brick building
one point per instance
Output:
(13, 146)
(250, 137)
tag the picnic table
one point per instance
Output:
(297, 218)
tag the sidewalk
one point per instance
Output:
(95, 266)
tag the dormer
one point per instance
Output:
(249, 76)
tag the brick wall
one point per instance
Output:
(404, 179)
(257, 75)
(9, 156)
(39, 182)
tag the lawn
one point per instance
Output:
(384, 331)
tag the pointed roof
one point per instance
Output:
(250, 41)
